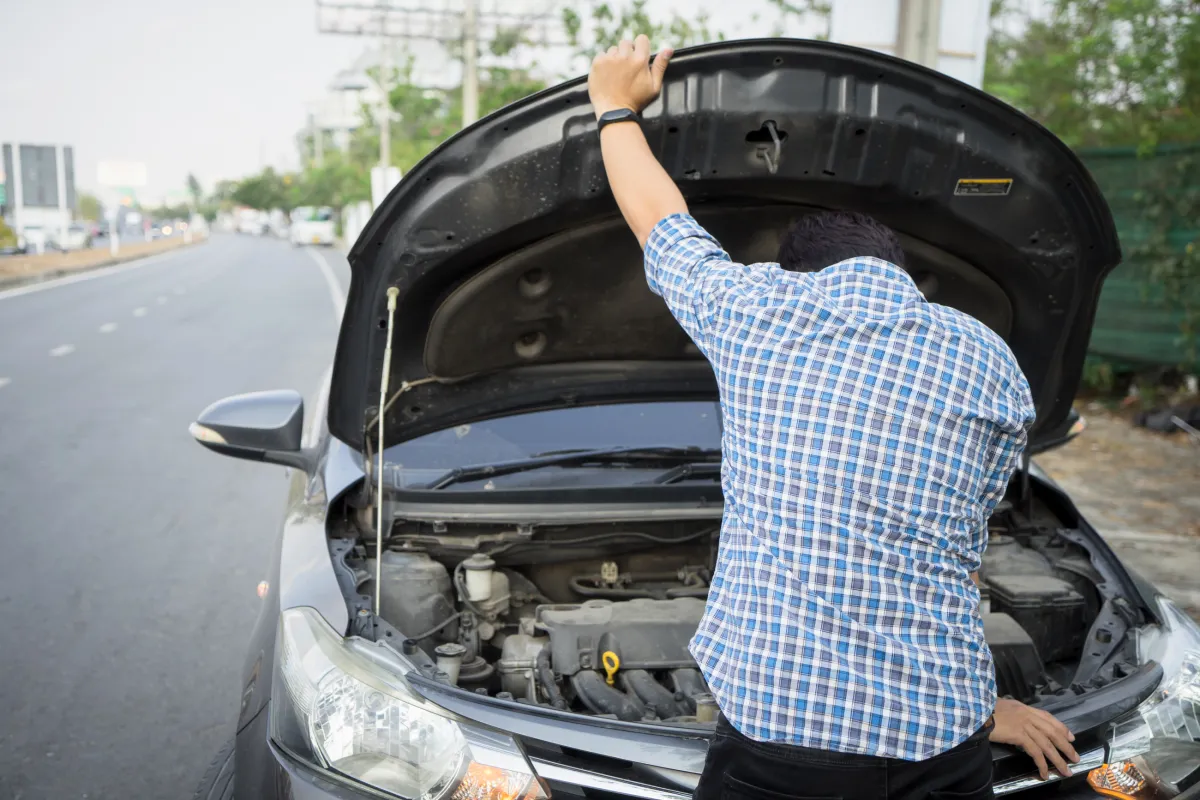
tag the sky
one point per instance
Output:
(219, 88)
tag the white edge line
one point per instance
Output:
(331, 281)
(89, 275)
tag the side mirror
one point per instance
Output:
(1072, 426)
(261, 426)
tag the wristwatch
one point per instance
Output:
(616, 115)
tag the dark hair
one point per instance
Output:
(819, 240)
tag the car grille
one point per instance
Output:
(591, 776)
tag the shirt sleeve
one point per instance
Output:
(688, 268)
(1015, 416)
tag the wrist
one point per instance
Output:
(604, 106)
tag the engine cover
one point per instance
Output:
(644, 634)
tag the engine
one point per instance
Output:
(621, 652)
(628, 658)
(600, 623)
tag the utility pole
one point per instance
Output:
(470, 81)
(385, 91)
(318, 141)
(919, 31)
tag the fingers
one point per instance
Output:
(625, 48)
(658, 68)
(1052, 722)
(612, 51)
(1059, 736)
(1035, 752)
(641, 47)
(1051, 752)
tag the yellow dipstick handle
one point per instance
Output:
(611, 665)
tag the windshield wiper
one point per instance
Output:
(639, 456)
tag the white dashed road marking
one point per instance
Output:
(63, 350)
(139, 312)
(108, 327)
(162, 301)
(5, 382)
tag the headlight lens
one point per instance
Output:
(1162, 735)
(343, 704)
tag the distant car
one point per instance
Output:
(33, 238)
(252, 225)
(78, 237)
(312, 226)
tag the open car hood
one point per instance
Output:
(520, 287)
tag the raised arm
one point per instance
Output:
(624, 78)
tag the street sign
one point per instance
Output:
(114, 174)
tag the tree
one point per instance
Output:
(1120, 73)
(608, 26)
(90, 207)
(264, 191)
(335, 183)
(1101, 72)
(169, 212)
(194, 189)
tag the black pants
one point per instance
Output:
(738, 768)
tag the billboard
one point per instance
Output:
(123, 174)
(39, 175)
(38, 185)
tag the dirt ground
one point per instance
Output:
(15, 269)
(1141, 490)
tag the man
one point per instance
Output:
(868, 437)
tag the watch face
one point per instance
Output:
(617, 115)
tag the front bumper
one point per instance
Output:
(263, 769)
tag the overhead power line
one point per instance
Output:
(466, 26)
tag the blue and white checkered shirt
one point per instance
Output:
(869, 435)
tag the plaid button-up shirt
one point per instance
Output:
(869, 435)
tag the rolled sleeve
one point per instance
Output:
(688, 268)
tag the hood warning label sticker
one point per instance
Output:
(994, 187)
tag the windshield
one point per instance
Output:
(419, 462)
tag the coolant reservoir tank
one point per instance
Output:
(416, 596)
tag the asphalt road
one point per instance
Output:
(127, 585)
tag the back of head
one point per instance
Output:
(822, 239)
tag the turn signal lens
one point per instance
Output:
(1123, 781)
(483, 782)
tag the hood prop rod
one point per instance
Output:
(392, 292)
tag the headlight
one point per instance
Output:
(343, 704)
(1161, 737)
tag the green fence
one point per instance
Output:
(1137, 324)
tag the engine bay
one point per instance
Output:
(597, 618)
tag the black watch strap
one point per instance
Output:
(616, 115)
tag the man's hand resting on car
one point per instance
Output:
(1037, 733)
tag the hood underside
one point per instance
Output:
(521, 289)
